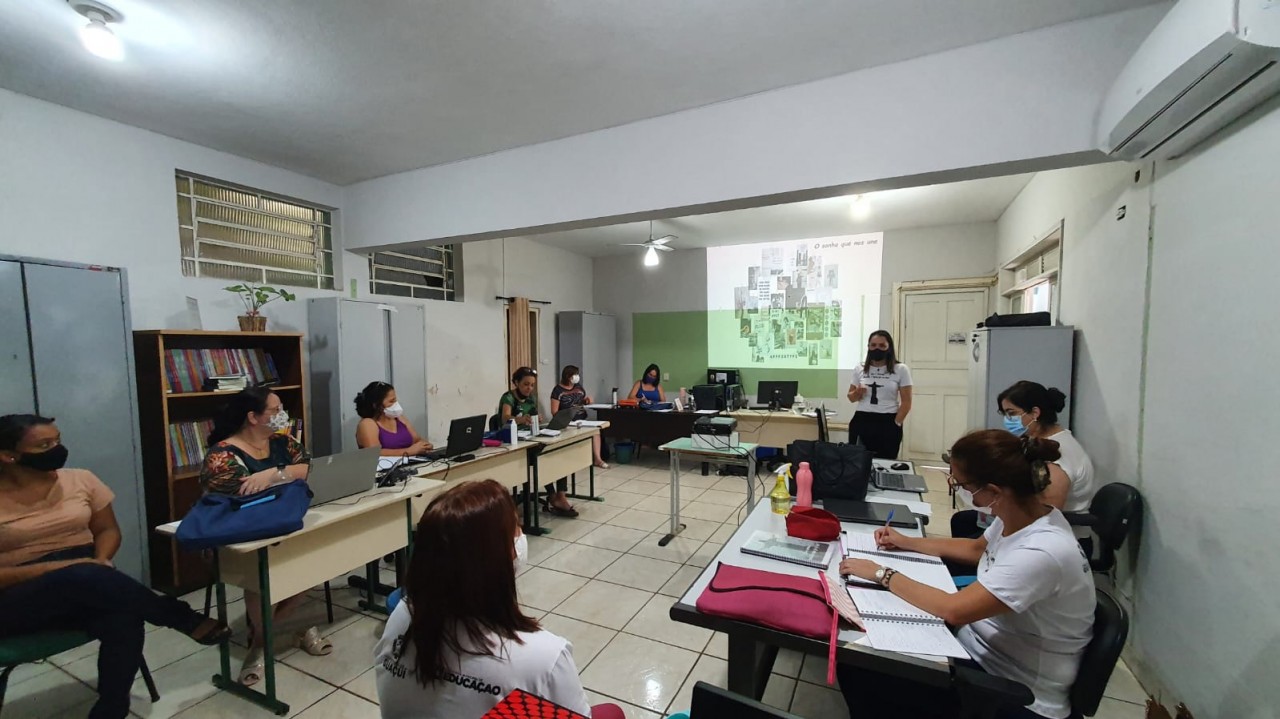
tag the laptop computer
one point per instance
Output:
(465, 435)
(562, 418)
(901, 481)
(343, 474)
(850, 510)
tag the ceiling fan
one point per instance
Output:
(653, 245)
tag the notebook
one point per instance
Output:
(789, 549)
(920, 567)
(894, 625)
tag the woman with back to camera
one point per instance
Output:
(570, 393)
(250, 450)
(1029, 614)
(382, 423)
(648, 389)
(1032, 409)
(457, 649)
(881, 388)
(58, 536)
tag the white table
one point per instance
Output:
(335, 537)
(744, 455)
(564, 455)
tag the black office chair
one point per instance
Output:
(712, 702)
(984, 695)
(1114, 512)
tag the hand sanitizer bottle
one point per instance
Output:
(780, 497)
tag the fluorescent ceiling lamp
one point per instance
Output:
(651, 258)
(859, 207)
(97, 37)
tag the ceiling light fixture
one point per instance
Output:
(859, 207)
(97, 36)
(651, 258)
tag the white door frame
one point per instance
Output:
(900, 290)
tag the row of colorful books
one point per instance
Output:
(188, 441)
(187, 370)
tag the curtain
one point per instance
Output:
(519, 343)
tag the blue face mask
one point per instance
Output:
(1014, 425)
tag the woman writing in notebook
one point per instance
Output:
(570, 393)
(1029, 615)
(520, 405)
(382, 423)
(648, 389)
(250, 449)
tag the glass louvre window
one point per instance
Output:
(234, 233)
(423, 272)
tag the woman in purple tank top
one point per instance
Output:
(382, 423)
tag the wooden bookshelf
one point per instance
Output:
(172, 490)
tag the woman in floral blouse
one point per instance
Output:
(250, 450)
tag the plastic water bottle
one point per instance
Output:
(804, 486)
(534, 427)
(615, 396)
(515, 438)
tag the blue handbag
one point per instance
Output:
(217, 520)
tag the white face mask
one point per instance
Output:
(575, 379)
(279, 421)
(395, 410)
(967, 496)
(522, 551)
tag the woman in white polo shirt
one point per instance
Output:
(459, 642)
(881, 388)
(1029, 615)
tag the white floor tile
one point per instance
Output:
(654, 622)
(587, 639)
(182, 685)
(342, 705)
(294, 688)
(604, 604)
(582, 560)
(352, 653)
(811, 700)
(1116, 709)
(543, 548)
(31, 670)
(728, 499)
(619, 498)
(365, 685)
(638, 572)
(48, 694)
(680, 581)
(640, 519)
(1124, 686)
(630, 711)
(639, 671)
(678, 550)
(718, 646)
(568, 530)
(598, 512)
(707, 510)
(618, 539)
(641, 486)
(779, 692)
(705, 554)
(722, 535)
(545, 589)
(658, 505)
(708, 669)
(686, 492)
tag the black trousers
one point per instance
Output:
(878, 432)
(104, 603)
(874, 695)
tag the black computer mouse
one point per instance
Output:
(899, 466)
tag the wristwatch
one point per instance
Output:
(884, 575)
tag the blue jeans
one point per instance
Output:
(102, 602)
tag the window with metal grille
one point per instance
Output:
(428, 273)
(235, 233)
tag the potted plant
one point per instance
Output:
(254, 297)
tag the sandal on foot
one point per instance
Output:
(602, 465)
(312, 643)
(569, 512)
(253, 669)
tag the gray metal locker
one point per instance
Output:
(590, 341)
(69, 355)
(1000, 356)
(352, 343)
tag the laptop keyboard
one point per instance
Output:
(891, 481)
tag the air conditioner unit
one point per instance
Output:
(1205, 64)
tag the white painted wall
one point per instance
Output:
(1206, 616)
(934, 253)
(1020, 98)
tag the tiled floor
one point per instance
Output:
(600, 580)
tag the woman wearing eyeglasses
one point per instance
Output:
(1029, 614)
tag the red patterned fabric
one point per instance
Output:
(520, 704)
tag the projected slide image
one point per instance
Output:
(798, 304)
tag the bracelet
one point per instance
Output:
(889, 573)
(282, 475)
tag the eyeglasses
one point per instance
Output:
(955, 483)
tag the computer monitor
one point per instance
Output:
(708, 396)
(777, 394)
(722, 376)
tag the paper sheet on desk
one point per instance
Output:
(586, 423)
(385, 463)
(706, 411)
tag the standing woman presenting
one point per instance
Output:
(881, 388)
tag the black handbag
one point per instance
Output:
(1028, 319)
(840, 471)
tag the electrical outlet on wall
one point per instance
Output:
(666, 376)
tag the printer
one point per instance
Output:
(715, 433)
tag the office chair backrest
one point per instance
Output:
(711, 702)
(1117, 507)
(1110, 630)
(822, 424)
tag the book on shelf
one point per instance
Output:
(187, 370)
(226, 383)
(187, 442)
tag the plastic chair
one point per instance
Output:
(29, 648)
(1113, 514)
(712, 702)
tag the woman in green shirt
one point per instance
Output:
(521, 404)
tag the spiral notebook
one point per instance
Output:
(789, 549)
(895, 625)
(920, 567)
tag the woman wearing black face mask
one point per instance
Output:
(58, 535)
(881, 388)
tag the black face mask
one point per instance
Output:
(877, 355)
(46, 461)
(651, 379)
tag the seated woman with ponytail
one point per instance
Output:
(1029, 615)
(58, 535)
(382, 423)
(250, 449)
